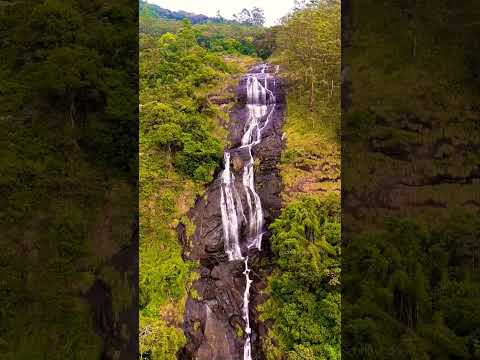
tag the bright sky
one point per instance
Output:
(274, 9)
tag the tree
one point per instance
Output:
(305, 288)
(309, 46)
(257, 16)
(187, 36)
(245, 17)
(219, 18)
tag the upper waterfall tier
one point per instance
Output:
(260, 105)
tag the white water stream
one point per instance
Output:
(260, 105)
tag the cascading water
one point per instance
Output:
(260, 106)
(230, 205)
(247, 348)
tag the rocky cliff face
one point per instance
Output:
(213, 320)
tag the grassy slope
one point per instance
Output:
(311, 159)
(310, 170)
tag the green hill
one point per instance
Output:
(161, 12)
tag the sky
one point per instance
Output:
(274, 9)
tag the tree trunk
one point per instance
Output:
(414, 45)
(72, 121)
(72, 112)
(312, 90)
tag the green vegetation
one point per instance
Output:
(308, 50)
(181, 144)
(308, 47)
(310, 163)
(413, 291)
(410, 267)
(69, 149)
(417, 62)
(222, 37)
(305, 285)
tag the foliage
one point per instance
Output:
(181, 145)
(308, 48)
(69, 149)
(416, 61)
(176, 63)
(158, 340)
(222, 37)
(411, 285)
(305, 288)
(311, 159)
(408, 280)
(255, 16)
(175, 116)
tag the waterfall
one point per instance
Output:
(247, 348)
(229, 204)
(260, 106)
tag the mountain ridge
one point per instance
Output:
(162, 12)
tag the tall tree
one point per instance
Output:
(309, 46)
(219, 18)
(245, 16)
(257, 16)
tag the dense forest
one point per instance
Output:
(410, 200)
(69, 152)
(188, 73)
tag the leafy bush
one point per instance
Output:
(416, 284)
(305, 288)
(173, 117)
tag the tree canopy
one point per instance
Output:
(254, 16)
(305, 286)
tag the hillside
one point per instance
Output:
(69, 162)
(191, 76)
(160, 12)
(411, 207)
(303, 288)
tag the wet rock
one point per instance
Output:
(237, 163)
(205, 272)
(206, 242)
(218, 345)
